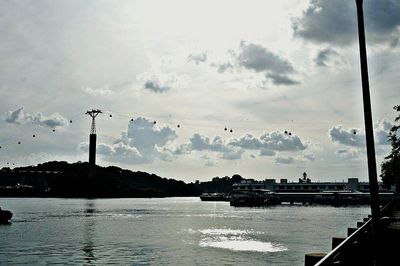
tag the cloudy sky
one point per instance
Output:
(282, 77)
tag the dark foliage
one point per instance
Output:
(390, 168)
(222, 185)
(61, 179)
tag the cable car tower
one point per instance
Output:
(92, 137)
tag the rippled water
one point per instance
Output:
(169, 231)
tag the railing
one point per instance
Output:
(354, 250)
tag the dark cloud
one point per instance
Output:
(155, 86)
(234, 154)
(381, 130)
(309, 157)
(259, 59)
(278, 79)
(336, 21)
(20, 117)
(347, 137)
(382, 17)
(348, 153)
(324, 56)
(159, 82)
(394, 42)
(223, 67)
(266, 152)
(198, 58)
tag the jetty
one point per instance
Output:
(260, 198)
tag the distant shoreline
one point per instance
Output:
(58, 179)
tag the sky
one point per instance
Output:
(282, 77)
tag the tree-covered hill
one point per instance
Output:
(62, 179)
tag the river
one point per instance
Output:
(167, 231)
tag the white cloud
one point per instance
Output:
(280, 141)
(232, 149)
(350, 137)
(142, 143)
(284, 160)
(274, 141)
(198, 57)
(20, 117)
(143, 133)
(223, 67)
(209, 161)
(217, 144)
(105, 91)
(117, 152)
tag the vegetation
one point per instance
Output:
(390, 168)
(61, 179)
(222, 185)
(75, 180)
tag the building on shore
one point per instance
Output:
(306, 185)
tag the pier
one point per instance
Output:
(259, 198)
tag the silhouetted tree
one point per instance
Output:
(390, 168)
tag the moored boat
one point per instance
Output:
(214, 197)
(5, 216)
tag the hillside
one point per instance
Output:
(62, 179)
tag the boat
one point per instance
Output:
(5, 216)
(253, 198)
(214, 197)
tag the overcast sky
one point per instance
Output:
(284, 76)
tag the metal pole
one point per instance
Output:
(369, 133)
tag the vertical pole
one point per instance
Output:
(92, 150)
(92, 142)
(369, 133)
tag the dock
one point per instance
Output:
(259, 198)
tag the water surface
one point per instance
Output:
(168, 231)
